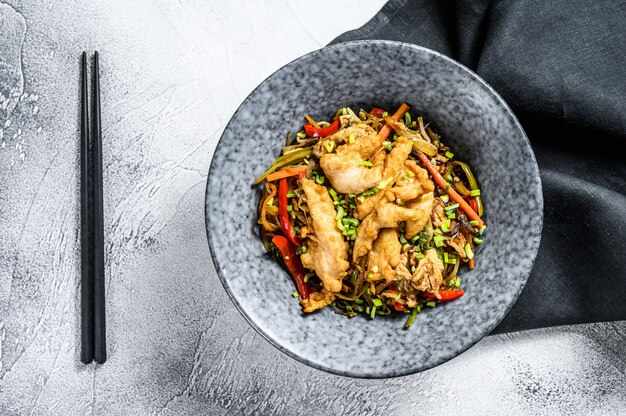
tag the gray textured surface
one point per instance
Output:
(172, 76)
(480, 129)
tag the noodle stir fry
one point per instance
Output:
(371, 213)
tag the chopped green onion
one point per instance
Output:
(369, 276)
(333, 193)
(482, 230)
(295, 294)
(367, 310)
(373, 312)
(431, 304)
(340, 213)
(419, 256)
(448, 177)
(387, 145)
(301, 135)
(451, 207)
(445, 198)
(407, 118)
(449, 259)
(468, 251)
(330, 146)
(366, 163)
(344, 111)
(270, 201)
(474, 223)
(402, 239)
(348, 308)
(457, 282)
(478, 240)
(475, 192)
(411, 319)
(291, 194)
(289, 208)
(351, 139)
(385, 114)
(438, 239)
(361, 199)
(377, 302)
(385, 182)
(445, 227)
(406, 247)
(451, 215)
(449, 155)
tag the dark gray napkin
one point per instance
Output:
(561, 66)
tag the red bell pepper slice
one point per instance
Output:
(473, 205)
(377, 112)
(326, 131)
(293, 264)
(283, 214)
(446, 294)
(397, 305)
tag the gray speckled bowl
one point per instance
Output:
(474, 121)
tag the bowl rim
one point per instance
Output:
(453, 353)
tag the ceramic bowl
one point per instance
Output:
(472, 118)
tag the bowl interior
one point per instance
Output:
(473, 120)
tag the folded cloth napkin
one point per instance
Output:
(561, 66)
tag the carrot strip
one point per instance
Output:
(454, 195)
(285, 173)
(386, 130)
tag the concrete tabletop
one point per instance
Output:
(172, 74)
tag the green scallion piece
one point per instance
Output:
(475, 192)
(340, 213)
(385, 182)
(330, 146)
(445, 226)
(402, 239)
(377, 302)
(387, 145)
(451, 207)
(451, 215)
(366, 163)
(351, 139)
(333, 193)
(445, 198)
(344, 111)
(301, 135)
(448, 177)
(474, 223)
(385, 114)
(457, 282)
(438, 239)
(289, 208)
(295, 294)
(411, 319)
(482, 230)
(431, 304)
(373, 312)
(407, 119)
(449, 155)
(468, 251)
(419, 256)
(478, 240)
(291, 194)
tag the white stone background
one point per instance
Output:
(173, 72)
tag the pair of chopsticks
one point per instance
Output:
(93, 330)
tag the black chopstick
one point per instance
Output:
(100, 353)
(86, 307)
(93, 322)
